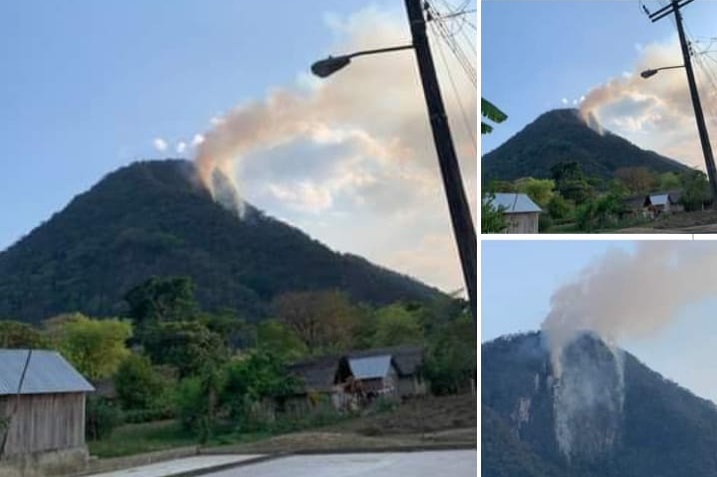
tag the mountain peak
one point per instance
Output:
(562, 135)
(607, 414)
(154, 218)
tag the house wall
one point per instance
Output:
(44, 422)
(411, 386)
(526, 223)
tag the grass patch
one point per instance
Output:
(132, 439)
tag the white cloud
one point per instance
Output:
(654, 113)
(197, 140)
(160, 144)
(564, 100)
(354, 143)
(181, 147)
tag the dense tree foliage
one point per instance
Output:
(138, 385)
(324, 321)
(96, 347)
(491, 216)
(14, 334)
(151, 219)
(452, 356)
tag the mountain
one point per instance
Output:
(606, 415)
(562, 135)
(153, 219)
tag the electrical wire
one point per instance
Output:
(453, 44)
(466, 122)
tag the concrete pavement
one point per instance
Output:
(186, 466)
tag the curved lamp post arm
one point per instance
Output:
(652, 72)
(330, 65)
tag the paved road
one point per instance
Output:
(415, 464)
(172, 467)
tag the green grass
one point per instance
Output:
(138, 438)
(131, 439)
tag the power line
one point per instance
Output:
(466, 121)
(453, 45)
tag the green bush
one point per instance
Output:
(101, 418)
(191, 403)
(137, 416)
(139, 386)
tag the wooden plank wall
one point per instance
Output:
(45, 422)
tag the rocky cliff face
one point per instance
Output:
(603, 413)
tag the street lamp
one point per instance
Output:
(652, 72)
(332, 64)
(461, 220)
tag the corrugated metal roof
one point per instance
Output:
(47, 373)
(514, 203)
(370, 367)
(659, 199)
(407, 358)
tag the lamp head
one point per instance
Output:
(329, 66)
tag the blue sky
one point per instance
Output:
(537, 53)
(519, 277)
(91, 86)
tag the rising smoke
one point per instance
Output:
(374, 110)
(620, 296)
(655, 113)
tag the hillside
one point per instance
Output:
(647, 427)
(561, 135)
(151, 219)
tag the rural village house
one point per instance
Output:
(520, 212)
(354, 379)
(654, 204)
(42, 427)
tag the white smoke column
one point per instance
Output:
(620, 296)
(630, 295)
(376, 107)
(654, 113)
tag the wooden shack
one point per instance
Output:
(42, 416)
(408, 361)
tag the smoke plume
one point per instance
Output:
(631, 295)
(620, 296)
(656, 113)
(373, 112)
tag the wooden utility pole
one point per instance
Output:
(461, 219)
(674, 7)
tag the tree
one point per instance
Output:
(274, 337)
(559, 208)
(452, 356)
(161, 300)
(539, 190)
(599, 213)
(669, 180)
(490, 111)
(138, 385)
(396, 326)
(696, 190)
(324, 321)
(638, 180)
(96, 347)
(492, 219)
(571, 183)
(189, 346)
(252, 378)
(14, 334)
